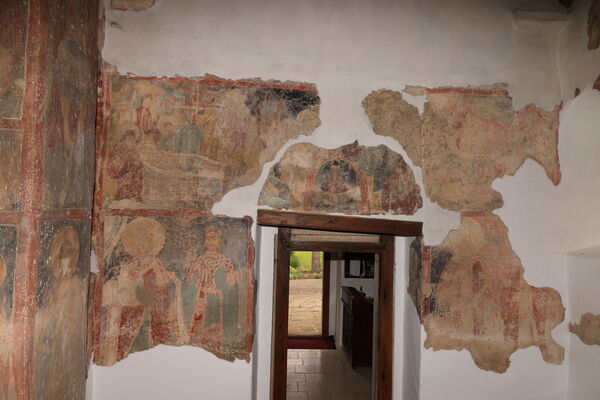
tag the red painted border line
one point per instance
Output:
(32, 161)
(468, 92)
(11, 124)
(59, 214)
(10, 217)
(216, 81)
(147, 212)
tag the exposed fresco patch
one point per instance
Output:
(594, 26)
(176, 280)
(135, 5)
(474, 297)
(184, 143)
(70, 105)
(351, 179)
(13, 36)
(466, 138)
(588, 329)
(8, 249)
(10, 167)
(61, 299)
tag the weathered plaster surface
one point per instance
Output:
(351, 179)
(8, 250)
(588, 329)
(13, 36)
(61, 302)
(135, 5)
(474, 297)
(594, 26)
(466, 138)
(49, 54)
(10, 154)
(179, 142)
(177, 280)
(70, 104)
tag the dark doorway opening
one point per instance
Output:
(384, 247)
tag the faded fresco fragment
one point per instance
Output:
(466, 138)
(474, 297)
(594, 26)
(71, 105)
(176, 280)
(13, 37)
(351, 179)
(588, 329)
(10, 166)
(8, 250)
(181, 143)
(60, 326)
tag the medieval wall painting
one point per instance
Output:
(61, 297)
(588, 329)
(13, 37)
(8, 249)
(466, 138)
(184, 143)
(594, 26)
(469, 291)
(10, 154)
(474, 297)
(351, 179)
(70, 105)
(176, 280)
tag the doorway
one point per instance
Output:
(383, 329)
(309, 295)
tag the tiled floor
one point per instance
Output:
(325, 375)
(306, 298)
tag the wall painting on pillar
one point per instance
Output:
(61, 298)
(8, 250)
(71, 104)
(13, 37)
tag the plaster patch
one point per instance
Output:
(588, 329)
(466, 138)
(474, 296)
(135, 5)
(351, 179)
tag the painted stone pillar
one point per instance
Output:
(48, 84)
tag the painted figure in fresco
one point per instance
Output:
(206, 325)
(125, 167)
(60, 322)
(144, 300)
(336, 175)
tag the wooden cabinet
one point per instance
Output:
(357, 333)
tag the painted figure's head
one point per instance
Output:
(64, 252)
(143, 237)
(212, 239)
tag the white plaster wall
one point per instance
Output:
(584, 296)
(349, 48)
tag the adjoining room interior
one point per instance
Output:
(338, 360)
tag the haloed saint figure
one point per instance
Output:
(214, 275)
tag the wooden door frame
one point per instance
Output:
(387, 229)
